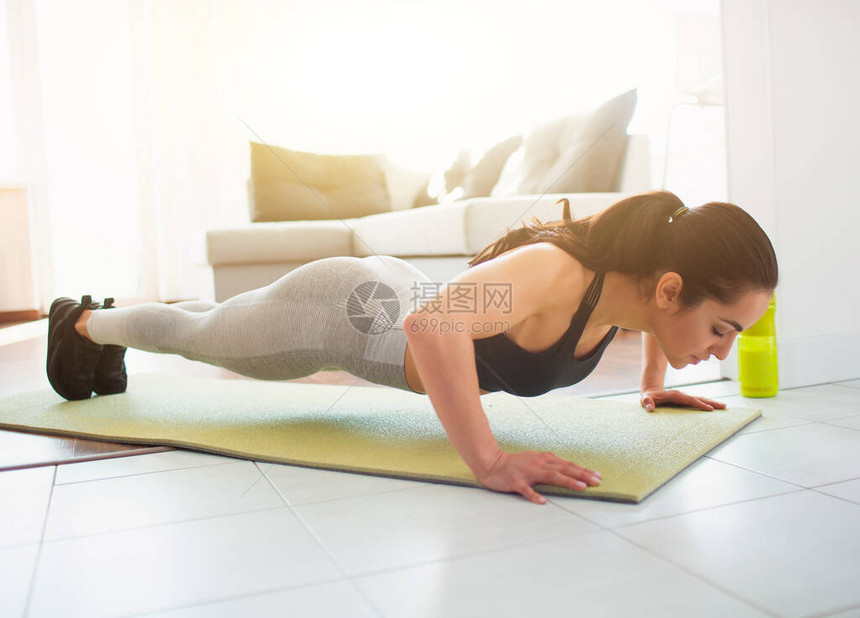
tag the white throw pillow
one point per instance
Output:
(575, 154)
(509, 179)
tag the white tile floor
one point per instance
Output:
(768, 524)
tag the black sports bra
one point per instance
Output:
(504, 366)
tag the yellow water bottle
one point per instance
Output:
(757, 358)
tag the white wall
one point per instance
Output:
(133, 117)
(792, 96)
(9, 168)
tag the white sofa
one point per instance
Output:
(439, 240)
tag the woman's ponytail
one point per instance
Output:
(631, 235)
(718, 249)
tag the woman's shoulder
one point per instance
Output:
(544, 248)
(570, 277)
(551, 255)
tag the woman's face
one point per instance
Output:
(689, 336)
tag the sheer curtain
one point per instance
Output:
(131, 118)
(73, 94)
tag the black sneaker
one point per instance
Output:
(110, 376)
(72, 358)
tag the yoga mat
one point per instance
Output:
(383, 431)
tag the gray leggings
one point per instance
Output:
(335, 313)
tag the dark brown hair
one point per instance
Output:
(718, 249)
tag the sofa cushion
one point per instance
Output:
(288, 185)
(273, 242)
(433, 230)
(576, 154)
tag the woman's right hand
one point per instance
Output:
(517, 472)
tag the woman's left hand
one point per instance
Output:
(652, 397)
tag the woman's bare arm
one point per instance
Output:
(654, 363)
(446, 364)
(442, 346)
(652, 391)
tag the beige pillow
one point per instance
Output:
(287, 185)
(481, 179)
(444, 184)
(462, 180)
(576, 154)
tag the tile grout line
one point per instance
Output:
(74, 460)
(202, 518)
(833, 612)
(421, 485)
(823, 493)
(134, 474)
(833, 424)
(695, 575)
(797, 489)
(67, 539)
(710, 508)
(601, 528)
(254, 484)
(842, 384)
(394, 569)
(484, 552)
(829, 422)
(337, 564)
(374, 493)
(614, 531)
(233, 598)
(791, 427)
(472, 554)
(752, 423)
(854, 478)
(764, 474)
(41, 546)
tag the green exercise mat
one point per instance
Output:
(383, 431)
